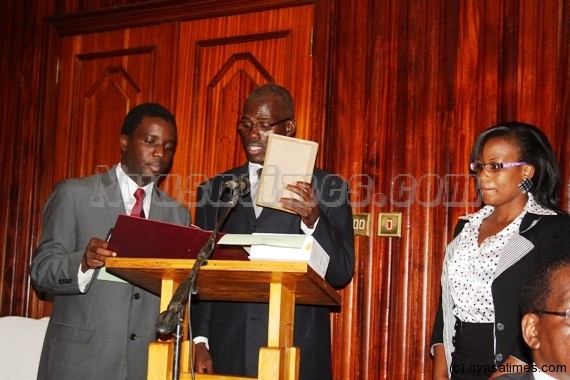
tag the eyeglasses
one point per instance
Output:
(264, 126)
(565, 314)
(493, 166)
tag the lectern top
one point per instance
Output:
(226, 280)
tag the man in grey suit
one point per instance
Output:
(101, 326)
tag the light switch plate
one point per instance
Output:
(361, 224)
(390, 224)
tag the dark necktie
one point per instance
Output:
(138, 210)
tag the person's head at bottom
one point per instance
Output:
(545, 324)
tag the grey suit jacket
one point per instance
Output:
(103, 333)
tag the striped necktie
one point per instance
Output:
(138, 210)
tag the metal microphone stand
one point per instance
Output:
(172, 317)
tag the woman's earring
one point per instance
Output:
(525, 185)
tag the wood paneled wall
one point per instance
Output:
(407, 85)
(21, 39)
(414, 83)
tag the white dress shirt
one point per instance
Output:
(128, 188)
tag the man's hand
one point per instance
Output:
(307, 207)
(202, 359)
(95, 254)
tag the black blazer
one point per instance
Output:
(550, 235)
(235, 330)
(516, 376)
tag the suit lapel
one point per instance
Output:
(156, 211)
(113, 198)
(514, 250)
(518, 246)
(246, 201)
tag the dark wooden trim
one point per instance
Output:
(323, 49)
(148, 13)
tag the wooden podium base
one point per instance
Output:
(280, 284)
(279, 363)
(274, 363)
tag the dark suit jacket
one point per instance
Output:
(237, 330)
(516, 376)
(550, 236)
(103, 333)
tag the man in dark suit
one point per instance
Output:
(235, 331)
(101, 326)
(545, 305)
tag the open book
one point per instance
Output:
(145, 238)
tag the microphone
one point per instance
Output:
(241, 184)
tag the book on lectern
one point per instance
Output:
(135, 237)
(145, 238)
(282, 247)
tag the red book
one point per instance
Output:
(145, 238)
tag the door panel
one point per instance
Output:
(102, 76)
(222, 60)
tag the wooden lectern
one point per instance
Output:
(280, 284)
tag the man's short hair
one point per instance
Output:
(135, 116)
(538, 286)
(274, 91)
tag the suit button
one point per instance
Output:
(133, 336)
(499, 357)
(137, 296)
(500, 327)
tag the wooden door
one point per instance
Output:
(102, 76)
(99, 77)
(221, 60)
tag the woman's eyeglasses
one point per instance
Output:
(493, 166)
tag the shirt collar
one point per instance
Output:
(539, 375)
(253, 168)
(128, 185)
(531, 207)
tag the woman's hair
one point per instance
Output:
(535, 149)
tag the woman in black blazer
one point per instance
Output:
(477, 329)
